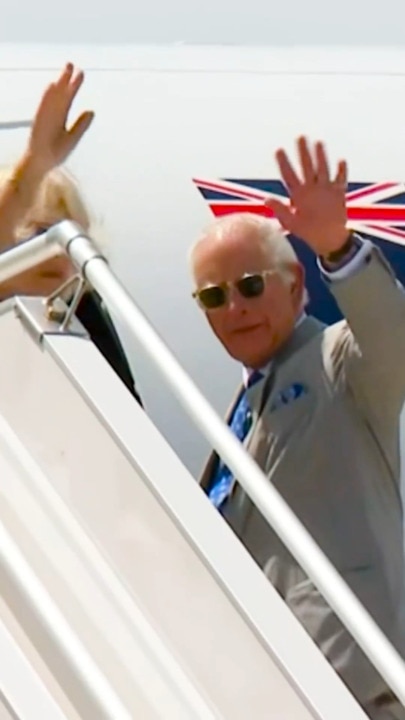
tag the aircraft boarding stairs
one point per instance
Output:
(124, 595)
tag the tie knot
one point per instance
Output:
(254, 377)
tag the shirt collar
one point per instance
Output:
(246, 372)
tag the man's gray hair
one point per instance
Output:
(280, 252)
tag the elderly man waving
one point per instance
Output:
(318, 407)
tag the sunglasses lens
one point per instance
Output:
(215, 296)
(251, 286)
(212, 297)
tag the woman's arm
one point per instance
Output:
(49, 145)
(16, 197)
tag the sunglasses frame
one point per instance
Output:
(232, 284)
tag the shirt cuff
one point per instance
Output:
(347, 268)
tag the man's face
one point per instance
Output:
(251, 329)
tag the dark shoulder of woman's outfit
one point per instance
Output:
(96, 319)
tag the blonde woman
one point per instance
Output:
(37, 193)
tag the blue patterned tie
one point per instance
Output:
(240, 424)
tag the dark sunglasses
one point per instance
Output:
(251, 285)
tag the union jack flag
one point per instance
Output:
(374, 209)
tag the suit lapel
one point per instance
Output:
(260, 393)
(308, 329)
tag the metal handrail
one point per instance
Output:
(267, 499)
(107, 703)
(17, 672)
(27, 254)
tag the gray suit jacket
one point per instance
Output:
(333, 453)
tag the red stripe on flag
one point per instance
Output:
(369, 190)
(383, 213)
(390, 214)
(228, 190)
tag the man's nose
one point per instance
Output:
(236, 302)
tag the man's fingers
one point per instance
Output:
(341, 175)
(282, 212)
(322, 170)
(307, 165)
(287, 172)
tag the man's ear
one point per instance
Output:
(297, 287)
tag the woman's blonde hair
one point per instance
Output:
(58, 197)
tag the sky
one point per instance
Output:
(263, 22)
